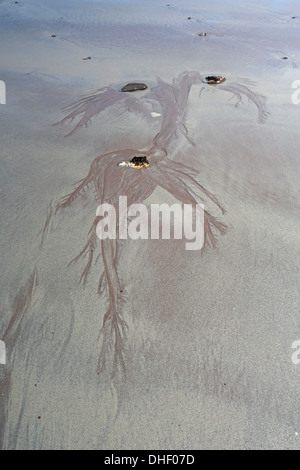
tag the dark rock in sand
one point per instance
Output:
(134, 87)
(215, 79)
(139, 162)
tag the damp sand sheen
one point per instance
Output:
(142, 344)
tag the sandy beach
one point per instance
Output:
(142, 344)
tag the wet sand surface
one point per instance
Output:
(207, 344)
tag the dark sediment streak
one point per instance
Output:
(22, 303)
(109, 181)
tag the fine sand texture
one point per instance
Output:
(142, 344)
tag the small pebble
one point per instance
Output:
(134, 87)
(214, 79)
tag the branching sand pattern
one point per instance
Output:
(110, 181)
(22, 303)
